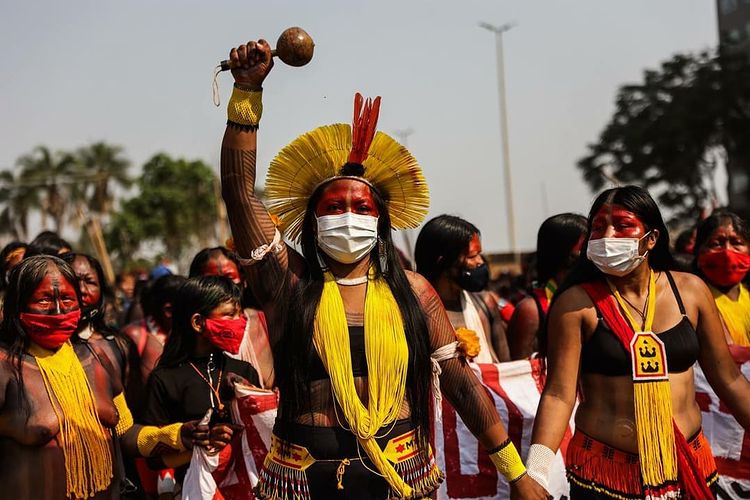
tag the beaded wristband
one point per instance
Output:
(245, 108)
(540, 463)
(507, 461)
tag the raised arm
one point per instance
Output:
(469, 397)
(251, 224)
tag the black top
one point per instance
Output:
(603, 353)
(359, 358)
(179, 394)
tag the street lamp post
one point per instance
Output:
(498, 31)
(403, 138)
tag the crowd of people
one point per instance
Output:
(104, 394)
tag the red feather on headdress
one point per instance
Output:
(363, 127)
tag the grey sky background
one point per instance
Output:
(138, 74)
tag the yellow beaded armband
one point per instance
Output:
(245, 107)
(154, 440)
(507, 461)
(125, 421)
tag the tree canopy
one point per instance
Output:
(671, 131)
(176, 204)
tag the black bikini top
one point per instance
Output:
(604, 354)
(359, 359)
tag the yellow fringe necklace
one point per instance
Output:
(387, 364)
(84, 441)
(653, 400)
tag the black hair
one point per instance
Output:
(47, 243)
(24, 279)
(4, 253)
(440, 244)
(637, 200)
(710, 224)
(161, 292)
(97, 321)
(554, 243)
(302, 304)
(201, 259)
(201, 295)
(716, 220)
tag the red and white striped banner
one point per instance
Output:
(515, 388)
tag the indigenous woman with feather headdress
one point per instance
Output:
(352, 332)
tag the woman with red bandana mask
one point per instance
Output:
(59, 405)
(255, 347)
(195, 372)
(624, 332)
(722, 248)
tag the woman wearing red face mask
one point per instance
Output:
(59, 406)
(626, 331)
(352, 333)
(194, 372)
(722, 247)
(255, 347)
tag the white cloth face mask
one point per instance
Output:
(616, 256)
(347, 237)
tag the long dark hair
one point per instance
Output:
(296, 341)
(201, 295)
(637, 200)
(97, 321)
(634, 199)
(22, 282)
(440, 243)
(554, 242)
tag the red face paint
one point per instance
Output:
(52, 311)
(219, 265)
(50, 330)
(614, 221)
(88, 281)
(725, 238)
(54, 295)
(346, 195)
(472, 258)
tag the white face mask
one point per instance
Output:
(347, 237)
(616, 256)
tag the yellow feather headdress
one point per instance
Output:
(316, 158)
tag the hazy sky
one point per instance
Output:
(138, 74)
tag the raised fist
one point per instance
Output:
(251, 63)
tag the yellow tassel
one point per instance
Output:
(387, 363)
(656, 446)
(85, 442)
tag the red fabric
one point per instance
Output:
(50, 331)
(506, 312)
(541, 296)
(691, 480)
(606, 304)
(226, 334)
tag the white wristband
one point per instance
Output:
(538, 464)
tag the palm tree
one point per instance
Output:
(17, 200)
(52, 173)
(104, 165)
